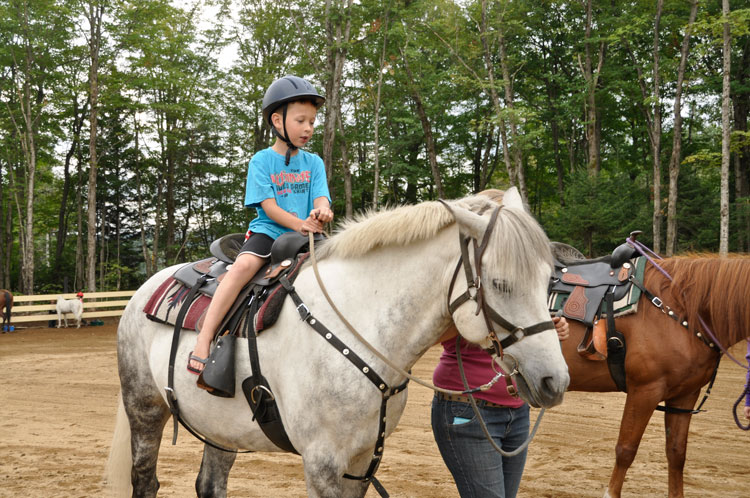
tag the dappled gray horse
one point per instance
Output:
(390, 273)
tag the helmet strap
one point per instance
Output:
(285, 138)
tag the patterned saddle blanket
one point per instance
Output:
(265, 290)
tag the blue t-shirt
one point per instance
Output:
(294, 186)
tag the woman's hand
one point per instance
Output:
(561, 326)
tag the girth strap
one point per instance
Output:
(616, 347)
(171, 395)
(696, 410)
(261, 399)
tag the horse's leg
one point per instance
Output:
(214, 473)
(638, 410)
(676, 427)
(324, 477)
(148, 413)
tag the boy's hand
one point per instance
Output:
(310, 224)
(747, 412)
(561, 326)
(322, 214)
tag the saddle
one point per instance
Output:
(165, 303)
(587, 290)
(256, 308)
(586, 282)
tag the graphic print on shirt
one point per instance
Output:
(291, 182)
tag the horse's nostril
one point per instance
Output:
(552, 387)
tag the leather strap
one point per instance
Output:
(174, 407)
(385, 391)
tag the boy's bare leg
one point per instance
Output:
(240, 273)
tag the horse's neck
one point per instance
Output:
(394, 296)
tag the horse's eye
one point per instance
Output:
(502, 286)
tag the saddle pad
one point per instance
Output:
(627, 305)
(165, 303)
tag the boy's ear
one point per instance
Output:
(277, 120)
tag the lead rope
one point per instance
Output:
(377, 353)
(745, 392)
(487, 434)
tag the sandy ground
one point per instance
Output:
(59, 396)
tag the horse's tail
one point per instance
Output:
(117, 472)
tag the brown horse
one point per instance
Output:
(6, 303)
(666, 361)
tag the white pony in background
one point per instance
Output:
(74, 306)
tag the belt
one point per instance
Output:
(465, 399)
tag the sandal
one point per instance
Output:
(200, 360)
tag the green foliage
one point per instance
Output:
(600, 212)
(177, 126)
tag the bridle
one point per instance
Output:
(515, 334)
(475, 292)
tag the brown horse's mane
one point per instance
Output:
(716, 289)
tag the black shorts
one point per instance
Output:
(258, 244)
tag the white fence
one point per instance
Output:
(36, 308)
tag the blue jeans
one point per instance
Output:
(478, 470)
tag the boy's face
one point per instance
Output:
(300, 122)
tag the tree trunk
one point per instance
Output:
(592, 81)
(489, 66)
(80, 280)
(169, 243)
(346, 170)
(675, 159)
(725, 135)
(62, 219)
(26, 136)
(653, 119)
(741, 102)
(95, 37)
(376, 145)
(335, 57)
(426, 128)
(517, 152)
(150, 270)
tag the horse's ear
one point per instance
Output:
(470, 223)
(512, 198)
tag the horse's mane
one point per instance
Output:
(518, 239)
(716, 288)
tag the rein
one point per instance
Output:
(745, 392)
(515, 334)
(482, 424)
(374, 350)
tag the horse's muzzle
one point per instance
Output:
(547, 392)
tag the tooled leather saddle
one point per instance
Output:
(257, 307)
(590, 289)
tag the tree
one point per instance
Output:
(725, 128)
(650, 106)
(94, 16)
(676, 157)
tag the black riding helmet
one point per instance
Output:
(282, 92)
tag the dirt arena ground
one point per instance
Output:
(58, 404)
